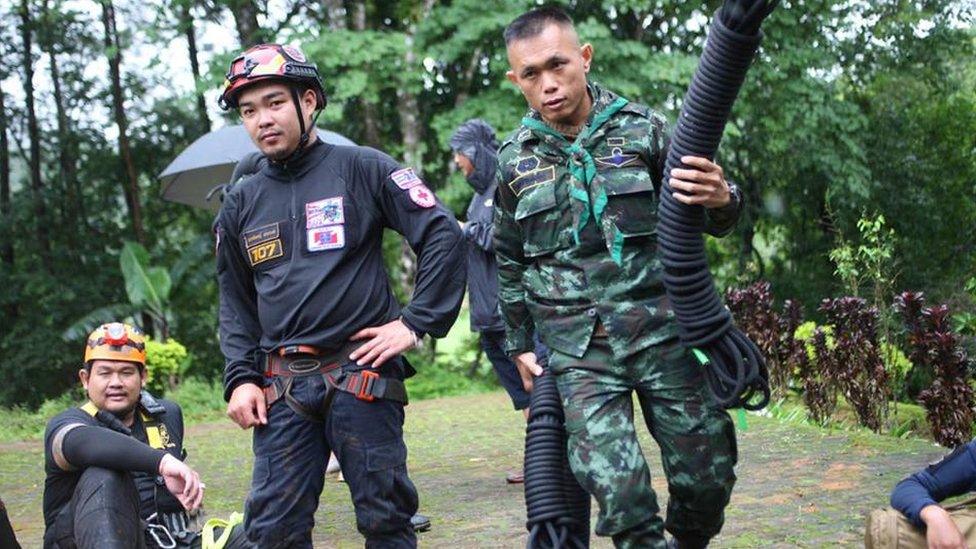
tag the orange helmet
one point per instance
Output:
(116, 341)
(270, 61)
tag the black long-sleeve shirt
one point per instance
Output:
(299, 255)
(74, 441)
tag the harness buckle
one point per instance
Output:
(366, 385)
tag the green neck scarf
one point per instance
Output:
(582, 167)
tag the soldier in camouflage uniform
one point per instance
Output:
(575, 219)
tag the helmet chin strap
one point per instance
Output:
(303, 140)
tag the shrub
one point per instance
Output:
(789, 349)
(949, 400)
(165, 365)
(856, 359)
(753, 310)
(898, 366)
(816, 367)
(804, 335)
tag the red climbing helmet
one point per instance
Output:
(270, 61)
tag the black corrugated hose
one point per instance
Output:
(557, 508)
(735, 370)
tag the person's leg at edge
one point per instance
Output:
(103, 513)
(290, 455)
(697, 441)
(602, 446)
(367, 437)
(492, 343)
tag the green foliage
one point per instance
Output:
(23, 424)
(201, 400)
(898, 366)
(166, 364)
(804, 332)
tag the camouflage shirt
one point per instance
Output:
(575, 230)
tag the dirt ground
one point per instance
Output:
(799, 486)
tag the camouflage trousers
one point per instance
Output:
(696, 438)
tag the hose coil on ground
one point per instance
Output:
(557, 508)
(736, 371)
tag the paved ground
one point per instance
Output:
(798, 485)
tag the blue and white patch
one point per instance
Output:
(324, 212)
(617, 159)
(332, 237)
(405, 178)
(530, 174)
(616, 141)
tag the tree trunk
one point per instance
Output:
(33, 133)
(130, 186)
(6, 244)
(186, 23)
(67, 152)
(467, 78)
(371, 131)
(249, 32)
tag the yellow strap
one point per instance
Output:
(90, 408)
(228, 525)
(153, 434)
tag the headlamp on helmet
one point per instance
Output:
(266, 62)
(116, 341)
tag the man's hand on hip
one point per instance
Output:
(528, 369)
(247, 406)
(704, 184)
(383, 343)
(182, 481)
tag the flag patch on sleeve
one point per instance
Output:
(405, 178)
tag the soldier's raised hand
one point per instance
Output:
(704, 184)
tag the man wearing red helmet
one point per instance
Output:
(118, 458)
(310, 329)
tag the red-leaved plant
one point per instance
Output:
(752, 308)
(949, 400)
(856, 362)
(816, 375)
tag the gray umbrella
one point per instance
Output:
(210, 161)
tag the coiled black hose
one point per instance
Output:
(735, 369)
(557, 508)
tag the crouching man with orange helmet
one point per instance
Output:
(117, 460)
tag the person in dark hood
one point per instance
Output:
(476, 155)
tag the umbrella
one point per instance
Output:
(210, 161)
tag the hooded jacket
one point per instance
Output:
(475, 139)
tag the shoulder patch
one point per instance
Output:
(405, 178)
(422, 196)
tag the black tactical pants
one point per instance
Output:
(103, 513)
(290, 456)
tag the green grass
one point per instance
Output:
(799, 485)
